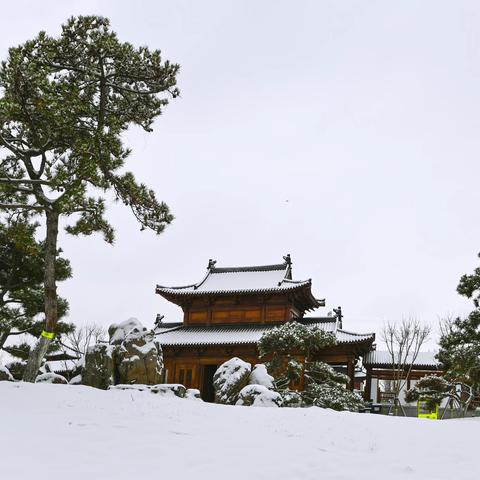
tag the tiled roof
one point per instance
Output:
(166, 327)
(379, 358)
(351, 337)
(57, 366)
(244, 334)
(252, 279)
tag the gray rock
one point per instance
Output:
(173, 390)
(169, 389)
(137, 388)
(127, 330)
(139, 360)
(51, 377)
(99, 369)
(193, 394)
(132, 357)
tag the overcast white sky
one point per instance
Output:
(345, 133)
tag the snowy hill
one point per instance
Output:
(75, 432)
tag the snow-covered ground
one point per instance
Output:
(75, 432)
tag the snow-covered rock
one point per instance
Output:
(5, 374)
(122, 386)
(259, 396)
(139, 359)
(132, 357)
(51, 377)
(229, 379)
(260, 376)
(193, 394)
(99, 366)
(127, 330)
(167, 389)
(76, 380)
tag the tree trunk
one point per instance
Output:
(3, 337)
(50, 287)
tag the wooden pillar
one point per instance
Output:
(263, 313)
(210, 311)
(351, 373)
(367, 394)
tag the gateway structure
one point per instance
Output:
(226, 313)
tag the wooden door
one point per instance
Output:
(186, 375)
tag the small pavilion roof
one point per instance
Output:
(178, 335)
(245, 280)
(383, 359)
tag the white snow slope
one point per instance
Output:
(75, 432)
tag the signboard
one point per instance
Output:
(424, 409)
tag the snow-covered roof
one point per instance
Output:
(245, 334)
(166, 327)
(60, 365)
(241, 280)
(379, 358)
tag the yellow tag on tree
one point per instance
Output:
(49, 335)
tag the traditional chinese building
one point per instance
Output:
(380, 366)
(226, 313)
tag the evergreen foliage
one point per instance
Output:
(321, 372)
(291, 348)
(21, 285)
(325, 387)
(289, 343)
(334, 396)
(460, 340)
(66, 102)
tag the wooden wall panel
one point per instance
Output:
(238, 310)
(198, 316)
(237, 315)
(275, 314)
(220, 316)
(253, 315)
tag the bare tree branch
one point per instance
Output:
(81, 338)
(403, 342)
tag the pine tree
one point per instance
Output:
(65, 103)
(433, 389)
(460, 340)
(292, 348)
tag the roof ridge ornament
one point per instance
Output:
(158, 319)
(211, 264)
(339, 315)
